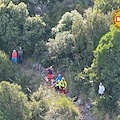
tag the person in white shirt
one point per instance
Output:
(101, 89)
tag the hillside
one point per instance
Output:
(78, 39)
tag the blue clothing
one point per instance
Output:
(59, 79)
(14, 59)
(54, 85)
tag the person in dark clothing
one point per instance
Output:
(20, 52)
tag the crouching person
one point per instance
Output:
(62, 85)
(59, 78)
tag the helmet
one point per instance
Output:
(63, 78)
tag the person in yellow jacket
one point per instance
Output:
(62, 85)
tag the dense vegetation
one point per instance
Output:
(77, 38)
(43, 104)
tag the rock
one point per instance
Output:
(35, 65)
(87, 106)
(78, 102)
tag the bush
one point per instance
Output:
(105, 69)
(13, 103)
(6, 67)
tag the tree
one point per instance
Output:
(58, 8)
(12, 20)
(87, 33)
(6, 67)
(39, 104)
(97, 25)
(2, 117)
(106, 5)
(118, 117)
(6, 2)
(62, 45)
(47, 104)
(13, 103)
(66, 110)
(65, 24)
(105, 69)
(19, 29)
(23, 81)
(34, 30)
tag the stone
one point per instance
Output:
(78, 102)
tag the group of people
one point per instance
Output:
(60, 82)
(14, 55)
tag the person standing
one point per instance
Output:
(101, 89)
(20, 52)
(50, 74)
(62, 85)
(14, 56)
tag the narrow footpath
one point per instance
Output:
(82, 105)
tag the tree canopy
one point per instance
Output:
(18, 28)
(75, 37)
(13, 103)
(105, 69)
(6, 67)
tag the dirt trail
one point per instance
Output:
(82, 105)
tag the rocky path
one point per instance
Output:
(82, 105)
(84, 110)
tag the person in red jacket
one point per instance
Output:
(14, 56)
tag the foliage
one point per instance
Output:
(97, 25)
(43, 104)
(65, 24)
(81, 85)
(48, 23)
(106, 5)
(46, 104)
(62, 45)
(61, 48)
(11, 26)
(2, 117)
(29, 78)
(87, 33)
(39, 105)
(105, 69)
(17, 28)
(39, 50)
(6, 2)
(98, 110)
(118, 117)
(66, 107)
(24, 80)
(6, 67)
(33, 31)
(13, 103)
(60, 7)
(76, 32)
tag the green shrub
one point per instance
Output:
(6, 67)
(13, 103)
(24, 80)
